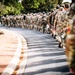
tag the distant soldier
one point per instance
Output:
(24, 17)
(50, 18)
(3, 20)
(28, 21)
(39, 16)
(55, 18)
(44, 23)
(0, 19)
(24, 20)
(8, 21)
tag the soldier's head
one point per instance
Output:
(51, 11)
(67, 5)
(58, 6)
(62, 5)
(61, 9)
(72, 9)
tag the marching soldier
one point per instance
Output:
(54, 22)
(3, 20)
(70, 40)
(24, 20)
(44, 23)
(39, 27)
(8, 21)
(50, 20)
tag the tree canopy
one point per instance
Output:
(15, 7)
(39, 5)
(10, 7)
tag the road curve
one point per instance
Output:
(44, 56)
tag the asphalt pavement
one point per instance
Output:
(43, 55)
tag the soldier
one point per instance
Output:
(3, 20)
(39, 27)
(70, 40)
(24, 20)
(63, 24)
(28, 21)
(8, 21)
(50, 18)
(44, 23)
(0, 19)
(54, 21)
(58, 24)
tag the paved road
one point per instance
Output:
(44, 56)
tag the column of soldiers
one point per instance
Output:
(30, 21)
(60, 22)
(12, 21)
(55, 22)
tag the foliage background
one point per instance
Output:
(14, 7)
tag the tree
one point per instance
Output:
(10, 7)
(31, 4)
(1, 9)
(60, 2)
(2, 1)
(40, 5)
(7, 2)
(37, 5)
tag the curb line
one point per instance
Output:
(13, 63)
(24, 60)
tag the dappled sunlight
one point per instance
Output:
(45, 56)
(40, 58)
(33, 54)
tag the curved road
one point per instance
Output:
(44, 56)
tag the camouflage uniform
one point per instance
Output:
(70, 40)
(44, 23)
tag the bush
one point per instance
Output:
(11, 9)
(1, 9)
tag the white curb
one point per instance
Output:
(12, 65)
(24, 60)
